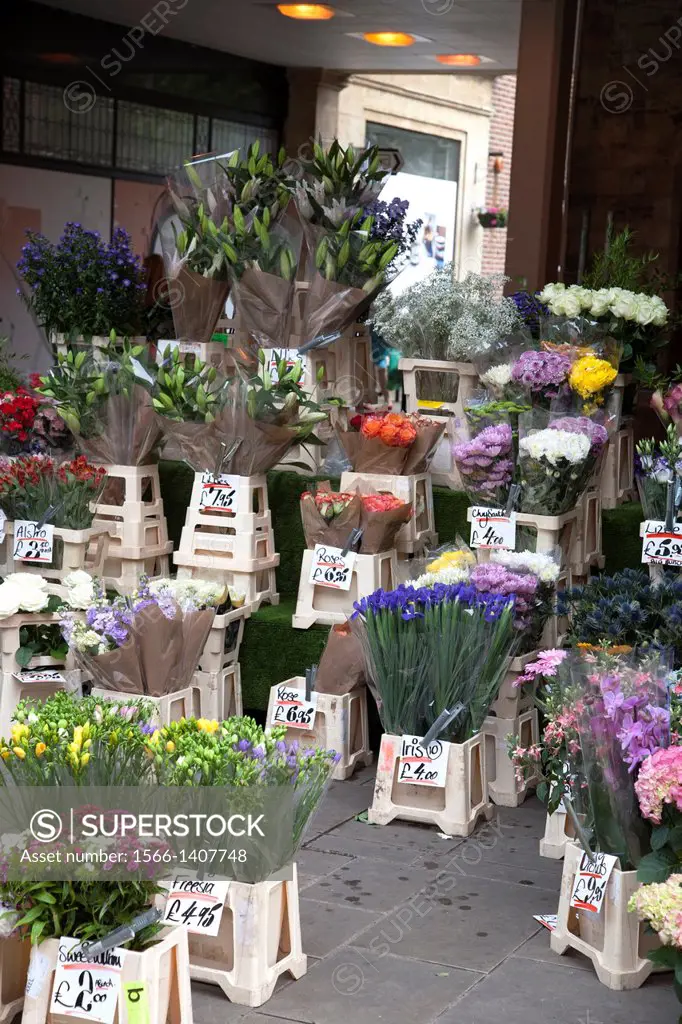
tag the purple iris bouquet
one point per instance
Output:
(486, 464)
(431, 648)
(543, 374)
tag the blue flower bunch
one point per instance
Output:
(83, 285)
(412, 602)
(530, 311)
(390, 224)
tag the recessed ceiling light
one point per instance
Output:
(389, 38)
(59, 58)
(307, 12)
(459, 60)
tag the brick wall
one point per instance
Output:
(501, 135)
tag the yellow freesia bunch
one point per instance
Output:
(459, 559)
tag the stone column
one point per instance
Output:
(313, 107)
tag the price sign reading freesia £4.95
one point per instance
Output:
(589, 887)
(331, 568)
(33, 543)
(196, 905)
(87, 987)
(661, 546)
(292, 709)
(423, 766)
(492, 528)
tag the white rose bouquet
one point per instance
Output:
(554, 468)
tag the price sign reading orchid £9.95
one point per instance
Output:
(423, 766)
(292, 709)
(33, 542)
(84, 986)
(492, 528)
(331, 568)
(661, 546)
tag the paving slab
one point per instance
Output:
(537, 948)
(419, 838)
(314, 865)
(370, 884)
(210, 1004)
(326, 926)
(333, 842)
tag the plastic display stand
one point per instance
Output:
(259, 940)
(512, 700)
(465, 372)
(72, 550)
(340, 724)
(455, 809)
(420, 531)
(327, 606)
(552, 532)
(14, 957)
(346, 367)
(221, 692)
(617, 484)
(503, 787)
(559, 831)
(586, 550)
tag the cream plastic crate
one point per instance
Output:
(455, 809)
(129, 570)
(14, 957)
(10, 639)
(587, 545)
(329, 607)
(72, 549)
(512, 700)
(614, 940)
(214, 657)
(95, 345)
(258, 941)
(258, 586)
(559, 831)
(420, 532)
(221, 692)
(347, 367)
(340, 724)
(465, 372)
(172, 707)
(552, 532)
(617, 484)
(503, 787)
(163, 968)
(13, 690)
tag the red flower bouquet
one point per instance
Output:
(391, 443)
(17, 416)
(32, 483)
(329, 517)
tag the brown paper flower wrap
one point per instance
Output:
(342, 663)
(318, 531)
(159, 657)
(196, 302)
(129, 431)
(264, 304)
(421, 453)
(371, 455)
(262, 445)
(380, 529)
(330, 307)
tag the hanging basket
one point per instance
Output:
(492, 218)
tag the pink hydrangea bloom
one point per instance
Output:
(660, 782)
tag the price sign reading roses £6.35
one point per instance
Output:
(196, 905)
(423, 766)
(33, 543)
(589, 887)
(292, 709)
(492, 528)
(331, 568)
(661, 546)
(217, 492)
(87, 987)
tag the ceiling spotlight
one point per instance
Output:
(307, 12)
(459, 60)
(389, 38)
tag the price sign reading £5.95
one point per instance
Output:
(217, 492)
(33, 543)
(331, 568)
(423, 766)
(661, 546)
(492, 528)
(292, 709)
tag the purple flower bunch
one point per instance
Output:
(542, 373)
(641, 725)
(597, 434)
(486, 463)
(530, 310)
(413, 602)
(83, 285)
(493, 579)
(390, 224)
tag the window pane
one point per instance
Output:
(427, 155)
(152, 140)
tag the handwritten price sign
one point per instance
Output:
(217, 492)
(40, 675)
(492, 528)
(661, 546)
(423, 766)
(84, 986)
(31, 543)
(292, 709)
(331, 568)
(589, 887)
(196, 905)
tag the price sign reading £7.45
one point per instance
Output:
(661, 546)
(87, 987)
(492, 528)
(331, 568)
(33, 543)
(292, 709)
(217, 492)
(589, 887)
(423, 766)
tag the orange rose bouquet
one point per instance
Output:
(391, 443)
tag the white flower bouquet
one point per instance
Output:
(554, 468)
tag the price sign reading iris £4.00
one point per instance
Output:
(423, 766)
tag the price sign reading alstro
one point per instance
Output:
(217, 492)
(423, 766)
(33, 543)
(331, 568)
(492, 528)
(87, 987)
(292, 709)
(661, 546)
(196, 905)
(589, 887)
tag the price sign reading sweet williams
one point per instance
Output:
(292, 709)
(423, 766)
(589, 887)
(661, 546)
(217, 492)
(85, 986)
(331, 568)
(492, 528)
(33, 543)
(40, 675)
(196, 905)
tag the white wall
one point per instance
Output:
(43, 201)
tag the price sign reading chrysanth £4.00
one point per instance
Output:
(292, 709)
(32, 542)
(589, 887)
(492, 528)
(217, 492)
(197, 905)
(84, 986)
(661, 546)
(423, 766)
(331, 568)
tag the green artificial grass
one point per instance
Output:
(272, 650)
